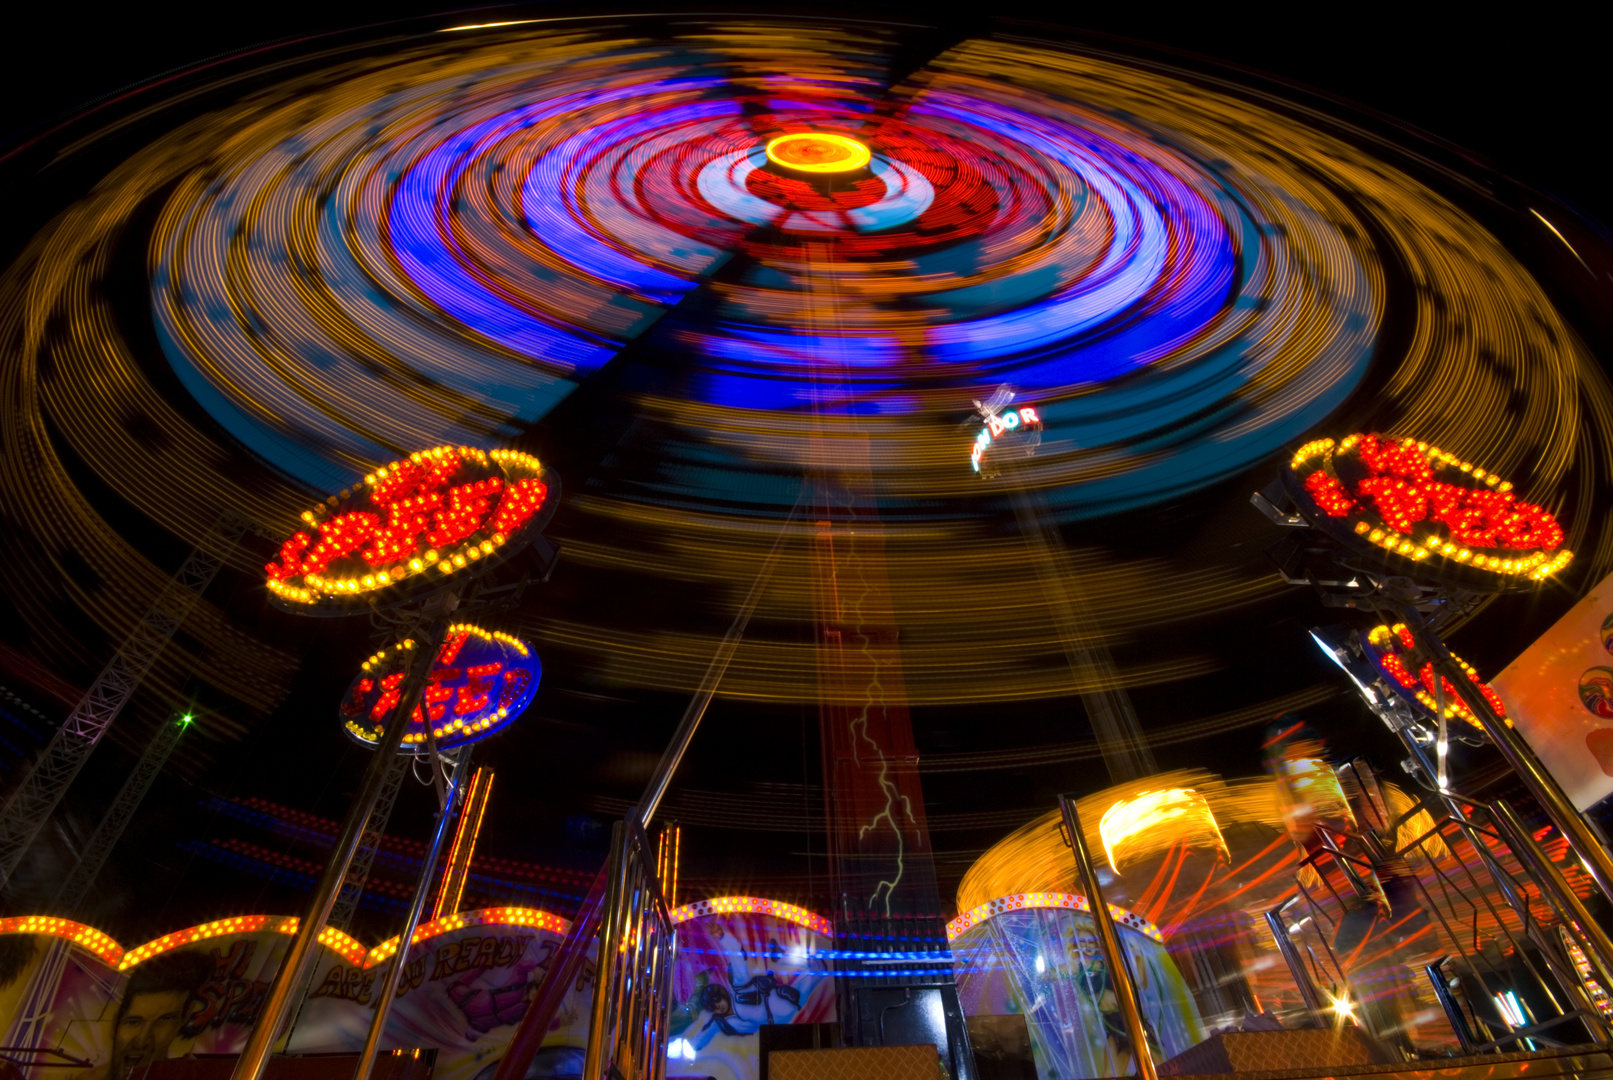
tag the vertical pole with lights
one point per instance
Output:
(464, 846)
(1114, 952)
(451, 513)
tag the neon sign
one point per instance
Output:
(480, 682)
(999, 424)
(1409, 671)
(1422, 504)
(411, 526)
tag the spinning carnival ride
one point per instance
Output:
(727, 261)
(438, 243)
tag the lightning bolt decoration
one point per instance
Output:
(875, 699)
(876, 808)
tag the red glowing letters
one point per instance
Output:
(421, 503)
(1401, 488)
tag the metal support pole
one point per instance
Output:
(358, 872)
(1581, 923)
(254, 1057)
(1517, 753)
(1114, 953)
(1447, 1001)
(422, 889)
(1296, 965)
(614, 926)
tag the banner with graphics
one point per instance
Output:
(1559, 692)
(462, 993)
(734, 973)
(465, 985)
(201, 997)
(57, 995)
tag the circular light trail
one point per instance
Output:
(1183, 279)
(818, 153)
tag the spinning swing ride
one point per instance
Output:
(726, 271)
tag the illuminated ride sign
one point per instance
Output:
(481, 681)
(1000, 426)
(1408, 670)
(1417, 502)
(411, 527)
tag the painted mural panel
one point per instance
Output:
(56, 994)
(462, 993)
(734, 973)
(1046, 964)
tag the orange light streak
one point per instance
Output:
(464, 846)
(1152, 821)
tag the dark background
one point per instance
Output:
(1526, 92)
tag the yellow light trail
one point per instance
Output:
(251, 280)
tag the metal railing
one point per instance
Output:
(1488, 891)
(627, 1029)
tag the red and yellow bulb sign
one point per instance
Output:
(1410, 673)
(1427, 506)
(480, 681)
(411, 526)
(818, 152)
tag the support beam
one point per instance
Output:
(53, 773)
(70, 897)
(1114, 950)
(358, 872)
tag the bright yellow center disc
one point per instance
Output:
(817, 152)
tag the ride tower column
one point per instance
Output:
(894, 981)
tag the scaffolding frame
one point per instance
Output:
(43, 789)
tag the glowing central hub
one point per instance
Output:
(818, 152)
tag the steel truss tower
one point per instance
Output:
(100, 844)
(358, 872)
(42, 790)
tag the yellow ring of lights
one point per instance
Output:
(818, 152)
